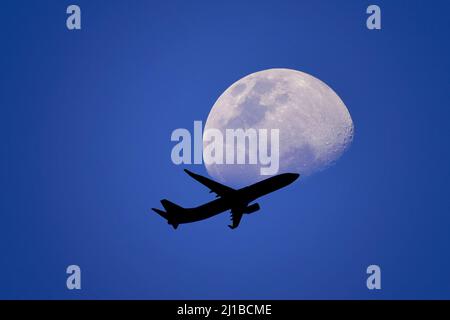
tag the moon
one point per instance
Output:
(315, 127)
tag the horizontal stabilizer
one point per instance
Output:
(166, 216)
(161, 213)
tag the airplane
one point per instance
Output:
(228, 199)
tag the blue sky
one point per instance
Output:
(85, 125)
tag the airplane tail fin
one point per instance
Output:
(171, 214)
(170, 206)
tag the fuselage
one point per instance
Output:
(238, 199)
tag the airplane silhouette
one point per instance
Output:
(228, 199)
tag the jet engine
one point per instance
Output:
(250, 209)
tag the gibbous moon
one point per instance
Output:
(315, 127)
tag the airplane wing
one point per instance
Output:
(214, 186)
(236, 216)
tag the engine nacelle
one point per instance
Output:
(250, 209)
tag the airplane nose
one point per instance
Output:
(294, 176)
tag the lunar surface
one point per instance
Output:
(315, 127)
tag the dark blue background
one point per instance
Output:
(85, 125)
